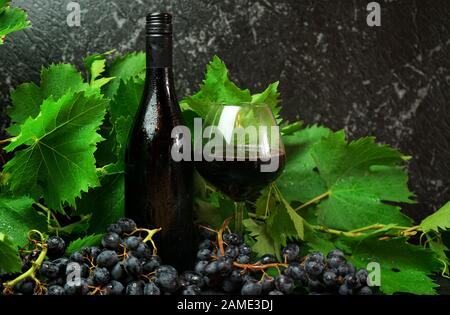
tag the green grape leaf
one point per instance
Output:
(10, 260)
(17, 217)
(122, 111)
(76, 228)
(265, 202)
(97, 69)
(299, 181)
(87, 241)
(216, 88)
(58, 160)
(284, 224)
(95, 65)
(264, 243)
(360, 177)
(131, 65)
(271, 97)
(26, 99)
(60, 79)
(288, 129)
(438, 220)
(106, 203)
(404, 267)
(11, 20)
(126, 101)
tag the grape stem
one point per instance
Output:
(404, 230)
(259, 266)
(314, 200)
(149, 237)
(220, 233)
(30, 273)
(6, 140)
(49, 214)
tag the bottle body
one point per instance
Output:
(158, 189)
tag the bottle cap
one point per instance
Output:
(159, 23)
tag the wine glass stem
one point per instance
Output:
(238, 216)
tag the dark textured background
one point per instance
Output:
(391, 82)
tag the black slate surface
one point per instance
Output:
(390, 81)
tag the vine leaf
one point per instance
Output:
(10, 261)
(11, 19)
(404, 267)
(87, 241)
(299, 181)
(217, 87)
(438, 220)
(264, 243)
(131, 65)
(56, 80)
(17, 217)
(360, 176)
(59, 144)
(105, 203)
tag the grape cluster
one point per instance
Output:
(125, 264)
(233, 270)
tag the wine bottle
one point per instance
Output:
(158, 190)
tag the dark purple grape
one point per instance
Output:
(114, 228)
(49, 270)
(107, 258)
(167, 278)
(55, 247)
(151, 289)
(314, 268)
(77, 257)
(204, 254)
(244, 249)
(118, 272)
(206, 244)
(55, 290)
(251, 287)
(335, 262)
(336, 253)
(200, 267)
(329, 278)
(127, 225)
(268, 259)
(135, 288)
(132, 242)
(344, 290)
(284, 284)
(290, 252)
(361, 277)
(132, 266)
(317, 257)
(351, 281)
(232, 239)
(191, 290)
(151, 264)
(268, 284)
(365, 291)
(101, 276)
(243, 259)
(114, 288)
(232, 251)
(111, 241)
(296, 272)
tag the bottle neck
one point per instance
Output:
(159, 52)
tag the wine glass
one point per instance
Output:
(241, 151)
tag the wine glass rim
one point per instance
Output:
(240, 104)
